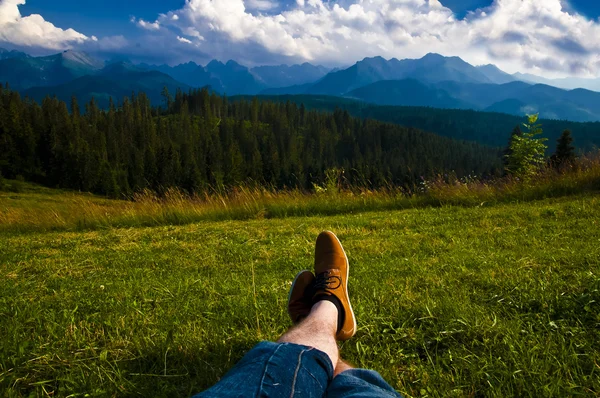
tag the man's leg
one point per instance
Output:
(359, 383)
(341, 366)
(300, 364)
(318, 330)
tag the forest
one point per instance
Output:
(486, 128)
(199, 141)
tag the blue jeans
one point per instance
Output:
(291, 370)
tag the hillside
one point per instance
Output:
(515, 98)
(487, 128)
(492, 301)
(116, 81)
(408, 92)
(25, 72)
(198, 142)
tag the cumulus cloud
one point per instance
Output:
(148, 25)
(34, 30)
(546, 37)
(529, 35)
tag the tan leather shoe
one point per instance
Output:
(331, 270)
(299, 301)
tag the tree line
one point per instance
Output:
(486, 128)
(199, 141)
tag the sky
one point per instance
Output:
(551, 38)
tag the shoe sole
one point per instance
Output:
(291, 290)
(346, 281)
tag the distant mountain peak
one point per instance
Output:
(215, 64)
(5, 54)
(373, 60)
(433, 56)
(81, 57)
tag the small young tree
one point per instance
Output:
(526, 153)
(565, 152)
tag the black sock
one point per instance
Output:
(336, 301)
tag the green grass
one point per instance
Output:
(29, 208)
(494, 300)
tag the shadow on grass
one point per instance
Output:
(160, 372)
(175, 372)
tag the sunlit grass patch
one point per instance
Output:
(451, 300)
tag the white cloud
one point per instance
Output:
(184, 40)
(528, 35)
(33, 30)
(148, 25)
(544, 37)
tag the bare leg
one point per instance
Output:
(318, 330)
(341, 366)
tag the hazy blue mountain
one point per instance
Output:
(234, 78)
(550, 102)
(568, 83)
(25, 72)
(432, 68)
(481, 95)
(290, 90)
(284, 75)
(516, 98)
(117, 80)
(556, 111)
(367, 71)
(434, 81)
(6, 54)
(495, 74)
(190, 73)
(408, 92)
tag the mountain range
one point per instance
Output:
(433, 81)
(449, 82)
(115, 81)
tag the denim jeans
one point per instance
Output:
(291, 370)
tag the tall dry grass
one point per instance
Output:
(41, 209)
(569, 179)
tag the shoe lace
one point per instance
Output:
(325, 281)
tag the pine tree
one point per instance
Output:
(506, 154)
(167, 98)
(565, 152)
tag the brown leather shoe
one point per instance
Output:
(331, 270)
(299, 301)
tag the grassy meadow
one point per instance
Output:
(493, 299)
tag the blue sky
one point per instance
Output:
(100, 18)
(104, 17)
(548, 37)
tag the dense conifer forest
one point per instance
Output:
(486, 128)
(199, 141)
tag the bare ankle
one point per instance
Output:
(341, 366)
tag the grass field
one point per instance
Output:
(499, 300)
